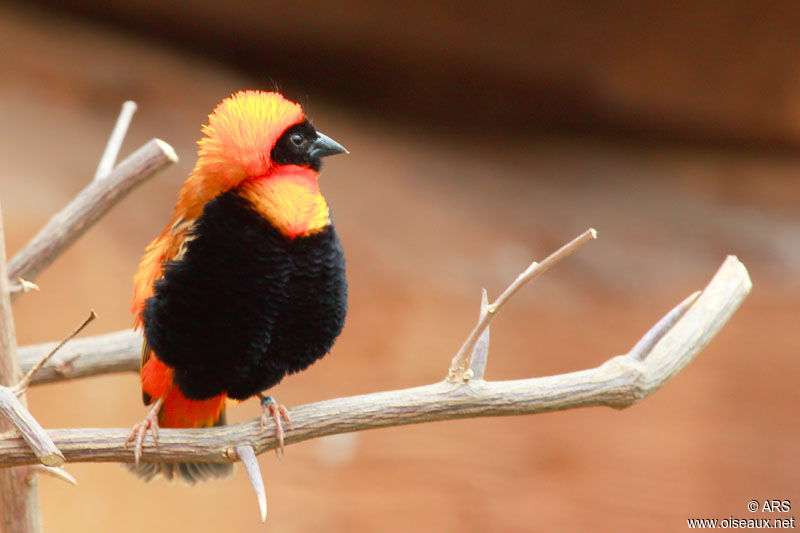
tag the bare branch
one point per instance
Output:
(87, 208)
(19, 494)
(89, 356)
(111, 152)
(42, 445)
(9, 365)
(11, 407)
(619, 382)
(26, 381)
(459, 367)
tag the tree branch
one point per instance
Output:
(120, 351)
(19, 492)
(86, 209)
(37, 439)
(620, 382)
(19, 498)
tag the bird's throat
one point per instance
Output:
(290, 200)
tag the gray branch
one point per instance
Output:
(619, 382)
(90, 356)
(19, 501)
(84, 210)
(19, 494)
(37, 438)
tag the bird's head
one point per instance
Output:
(253, 135)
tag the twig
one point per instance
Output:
(106, 163)
(23, 384)
(19, 494)
(459, 368)
(120, 351)
(87, 208)
(620, 382)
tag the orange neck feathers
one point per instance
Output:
(290, 199)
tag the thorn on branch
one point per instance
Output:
(56, 472)
(642, 348)
(22, 285)
(247, 455)
(480, 354)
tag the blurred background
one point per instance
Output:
(482, 136)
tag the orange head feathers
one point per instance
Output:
(240, 134)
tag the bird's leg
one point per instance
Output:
(274, 410)
(140, 430)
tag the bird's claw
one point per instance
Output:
(275, 411)
(139, 431)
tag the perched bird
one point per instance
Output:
(247, 282)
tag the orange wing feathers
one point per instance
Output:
(162, 248)
(178, 411)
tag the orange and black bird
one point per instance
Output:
(247, 282)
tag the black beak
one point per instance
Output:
(324, 146)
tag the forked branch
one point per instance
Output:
(19, 502)
(460, 368)
(619, 382)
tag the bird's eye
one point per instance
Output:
(297, 139)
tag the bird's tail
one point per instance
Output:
(179, 411)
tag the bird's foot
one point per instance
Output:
(139, 430)
(275, 411)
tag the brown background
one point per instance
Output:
(480, 138)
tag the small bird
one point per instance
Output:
(247, 282)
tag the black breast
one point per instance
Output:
(246, 305)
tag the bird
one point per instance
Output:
(247, 282)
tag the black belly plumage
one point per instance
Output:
(245, 305)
